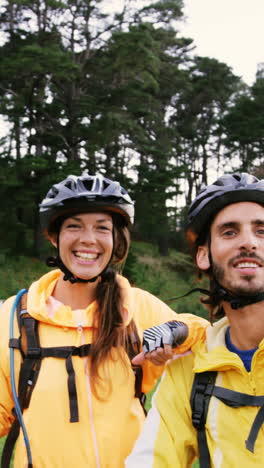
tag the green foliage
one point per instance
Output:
(165, 277)
(119, 94)
(2, 442)
(165, 10)
(196, 464)
(18, 273)
(244, 128)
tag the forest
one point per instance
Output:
(85, 86)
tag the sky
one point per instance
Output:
(231, 31)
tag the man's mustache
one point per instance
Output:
(250, 255)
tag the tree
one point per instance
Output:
(117, 92)
(196, 119)
(244, 128)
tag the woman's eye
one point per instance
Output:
(72, 226)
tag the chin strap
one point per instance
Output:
(218, 293)
(68, 276)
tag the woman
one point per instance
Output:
(96, 421)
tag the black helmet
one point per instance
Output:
(82, 193)
(228, 189)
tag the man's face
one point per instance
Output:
(237, 248)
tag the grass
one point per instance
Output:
(18, 273)
(165, 277)
(2, 441)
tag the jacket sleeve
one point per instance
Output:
(151, 311)
(6, 399)
(196, 330)
(168, 438)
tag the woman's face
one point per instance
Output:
(86, 243)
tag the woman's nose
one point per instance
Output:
(87, 235)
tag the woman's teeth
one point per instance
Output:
(86, 255)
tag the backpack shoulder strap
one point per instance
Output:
(132, 349)
(201, 393)
(28, 344)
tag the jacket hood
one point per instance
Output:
(40, 301)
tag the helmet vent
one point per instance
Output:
(53, 192)
(71, 185)
(105, 185)
(88, 184)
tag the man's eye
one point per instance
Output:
(260, 231)
(104, 228)
(228, 233)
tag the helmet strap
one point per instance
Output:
(68, 276)
(220, 293)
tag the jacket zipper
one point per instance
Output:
(89, 397)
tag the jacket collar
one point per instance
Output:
(43, 308)
(213, 353)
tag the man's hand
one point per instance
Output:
(159, 341)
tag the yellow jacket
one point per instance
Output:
(107, 427)
(169, 439)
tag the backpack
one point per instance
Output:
(32, 354)
(202, 390)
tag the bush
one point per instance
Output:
(18, 273)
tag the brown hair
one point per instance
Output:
(111, 330)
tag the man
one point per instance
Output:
(225, 228)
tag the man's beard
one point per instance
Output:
(238, 290)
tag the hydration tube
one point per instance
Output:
(13, 382)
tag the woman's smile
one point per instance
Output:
(86, 243)
(86, 256)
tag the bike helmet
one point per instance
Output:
(228, 189)
(81, 194)
(77, 194)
